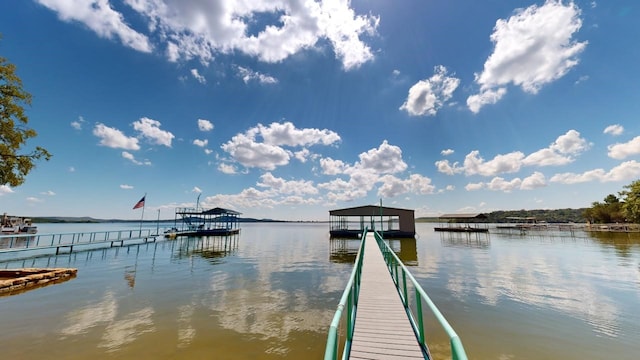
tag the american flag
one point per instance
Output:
(140, 203)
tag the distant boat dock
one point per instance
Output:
(467, 223)
(201, 222)
(462, 223)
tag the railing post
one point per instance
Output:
(349, 316)
(395, 265)
(420, 320)
(404, 283)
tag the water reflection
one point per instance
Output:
(130, 275)
(126, 330)
(186, 330)
(345, 250)
(406, 250)
(623, 243)
(544, 270)
(268, 300)
(273, 294)
(212, 248)
(465, 239)
(79, 321)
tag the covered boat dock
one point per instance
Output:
(351, 222)
(463, 223)
(195, 222)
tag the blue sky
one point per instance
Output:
(286, 109)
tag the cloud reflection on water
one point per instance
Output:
(118, 332)
(186, 331)
(81, 320)
(128, 329)
(540, 278)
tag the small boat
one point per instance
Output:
(12, 225)
(171, 233)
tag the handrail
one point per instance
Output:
(393, 262)
(349, 300)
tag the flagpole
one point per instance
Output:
(158, 224)
(144, 204)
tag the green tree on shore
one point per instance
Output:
(609, 211)
(14, 133)
(631, 206)
(626, 208)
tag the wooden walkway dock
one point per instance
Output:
(382, 328)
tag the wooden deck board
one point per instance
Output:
(382, 330)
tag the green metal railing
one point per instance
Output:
(349, 300)
(400, 274)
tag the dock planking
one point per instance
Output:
(382, 329)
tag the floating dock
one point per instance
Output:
(14, 281)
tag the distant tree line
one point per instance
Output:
(502, 216)
(550, 216)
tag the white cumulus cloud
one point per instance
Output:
(427, 96)
(5, 189)
(150, 129)
(114, 138)
(385, 159)
(200, 143)
(534, 47)
(202, 29)
(247, 149)
(623, 150)
(627, 170)
(614, 130)
(562, 151)
(248, 75)
(282, 186)
(129, 156)
(101, 18)
(205, 125)
(196, 75)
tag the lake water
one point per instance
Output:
(271, 292)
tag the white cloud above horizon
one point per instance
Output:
(533, 47)
(561, 152)
(620, 151)
(427, 96)
(614, 130)
(205, 125)
(201, 29)
(248, 150)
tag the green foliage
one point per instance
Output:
(631, 206)
(617, 210)
(14, 132)
(609, 211)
